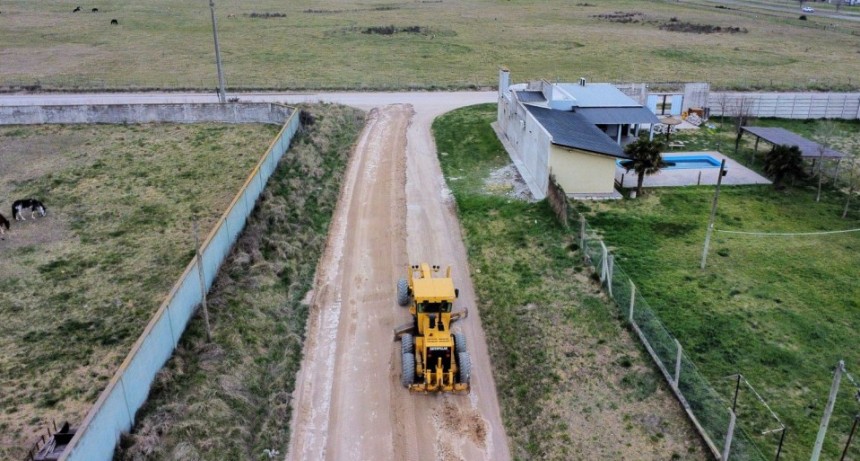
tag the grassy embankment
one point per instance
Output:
(780, 310)
(572, 383)
(230, 398)
(78, 286)
(427, 44)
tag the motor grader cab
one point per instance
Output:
(433, 358)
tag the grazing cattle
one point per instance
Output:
(95, 10)
(76, 9)
(35, 206)
(114, 22)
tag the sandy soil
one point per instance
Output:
(349, 403)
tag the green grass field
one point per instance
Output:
(780, 310)
(78, 286)
(570, 379)
(434, 44)
(230, 398)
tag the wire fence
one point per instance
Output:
(710, 413)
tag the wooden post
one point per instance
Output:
(582, 237)
(781, 440)
(202, 282)
(678, 363)
(828, 410)
(713, 215)
(850, 436)
(737, 388)
(727, 448)
(632, 300)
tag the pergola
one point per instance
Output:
(780, 136)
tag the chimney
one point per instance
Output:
(504, 81)
(581, 81)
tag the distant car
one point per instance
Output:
(808, 9)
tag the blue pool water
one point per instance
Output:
(683, 162)
(687, 162)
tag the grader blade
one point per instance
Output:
(460, 315)
(408, 327)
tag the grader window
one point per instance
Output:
(430, 307)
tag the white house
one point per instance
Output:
(572, 130)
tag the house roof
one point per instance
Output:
(571, 129)
(530, 96)
(598, 95)
(781, 136)
(617, 115)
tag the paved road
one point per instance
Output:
(791, 8)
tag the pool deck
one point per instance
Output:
(737, 174)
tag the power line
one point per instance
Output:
(787, 234)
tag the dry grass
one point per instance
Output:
(322, 44)
(230, 398)
(78, 286)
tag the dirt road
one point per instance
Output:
(349, 403)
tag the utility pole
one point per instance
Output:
(713, 214)
(222, 93)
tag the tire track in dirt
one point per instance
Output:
(349, 403)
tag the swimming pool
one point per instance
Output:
(688, 162)
(685, 162)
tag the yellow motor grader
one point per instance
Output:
(434, 359)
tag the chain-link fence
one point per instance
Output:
(712, 415)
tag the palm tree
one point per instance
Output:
(784, 162)
(645, 159)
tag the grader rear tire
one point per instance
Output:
(465, 362)
(460, 341)
(402, 292)
(407, 344)
(408, 369)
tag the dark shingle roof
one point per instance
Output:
(617, 115)
(570, 129)
(781, 136)
(530, 96)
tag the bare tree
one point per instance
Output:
(723, 104)
(741, 109)
(824, 134)
(852, 183)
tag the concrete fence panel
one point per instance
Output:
(238, 112)
(114, 411)
(787, 105)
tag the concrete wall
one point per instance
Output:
(238, 112)
(530, 144)
(580, 172)
(128, 389)
(787, 105)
